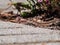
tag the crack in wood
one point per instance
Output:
(41, 42)
(19, 34)
(49, 41)
(11, 27)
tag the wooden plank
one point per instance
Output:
(8, 28)
(12, 33)
(29, 38)
(28, 31)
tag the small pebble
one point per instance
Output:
(34, 20)
(23, 20)
(38, 21)
(6, 14)
(17, 19)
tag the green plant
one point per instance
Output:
(46, 6)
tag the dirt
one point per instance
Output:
(36, 21)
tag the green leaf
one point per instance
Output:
(25, 14)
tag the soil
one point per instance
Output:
(36, 21)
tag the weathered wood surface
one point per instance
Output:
(19, 34)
